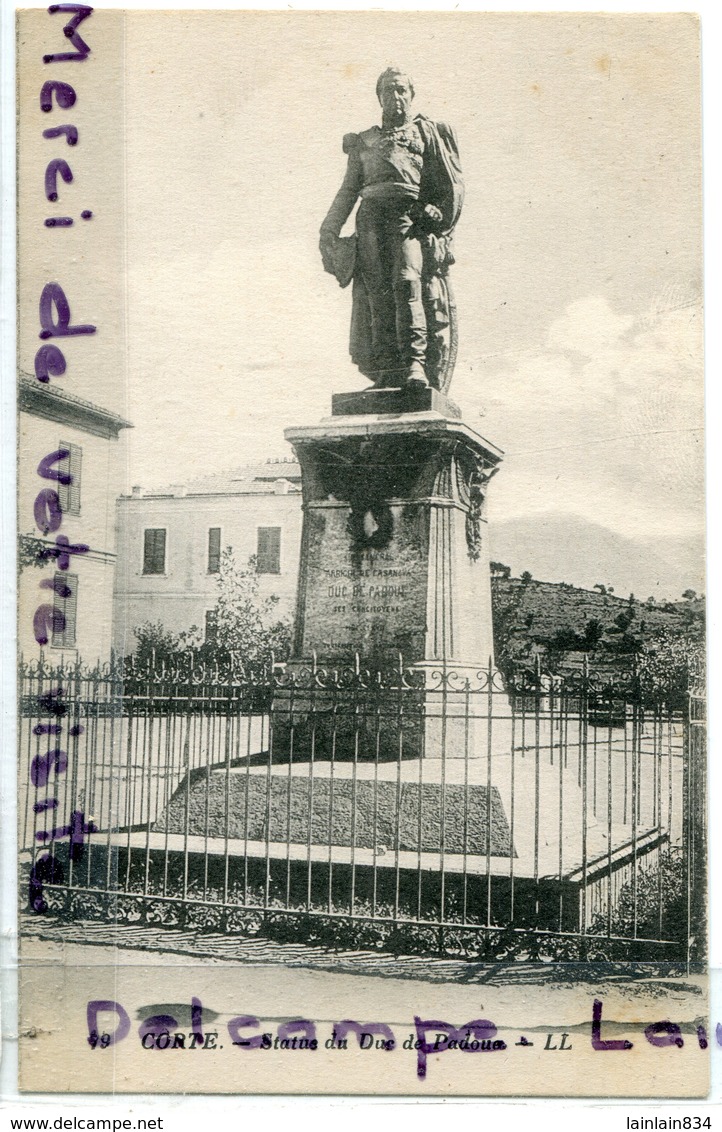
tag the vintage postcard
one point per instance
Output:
(361, 741)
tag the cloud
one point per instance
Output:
(604, 421)
(588, 327)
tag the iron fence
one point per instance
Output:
(418, 809)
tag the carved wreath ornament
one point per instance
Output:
(371, 527)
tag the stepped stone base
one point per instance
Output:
(342, 811)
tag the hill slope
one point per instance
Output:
(566, 548)
(553, 620)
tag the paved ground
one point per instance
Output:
(162, 945)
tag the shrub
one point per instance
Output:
(665, 664)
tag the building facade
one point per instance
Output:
(170, 542)
(70, 461)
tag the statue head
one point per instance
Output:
(395, 90)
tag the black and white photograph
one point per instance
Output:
(361, 554)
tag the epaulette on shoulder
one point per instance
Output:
(353, 142)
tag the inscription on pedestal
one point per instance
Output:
(369, 601)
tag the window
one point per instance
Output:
(154, 550)
(211, 624)
(66, 605)
(69, 493)
(268, 553)
(214, 550)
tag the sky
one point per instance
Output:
(578, 273)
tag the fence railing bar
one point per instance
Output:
(610, 796)
(687, 796)
(658, 732)
(375, 808)
(583, 754)
(149, 795)
(70, 778)
(130, 738)
(289, 810)
(636, 728)
(228, 745)
(269, 789)
(358, 721)
(594, 770)
(108, 821)
(211, 722)
(33, 708)
(247, 788)
(331, 801)
(537, 785)
(512, 819)
(465, 830)
(189, 766)
(489, 755)
(442, 814)
(560, 830)
(397, 832)
(419, 834)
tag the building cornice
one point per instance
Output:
(55, 404)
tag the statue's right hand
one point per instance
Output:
(339, 255)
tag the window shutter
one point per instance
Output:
(214, 550)
(268, 557)
(69, 493)
(154, 550)
(76, 456)
(68, 606)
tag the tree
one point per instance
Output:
(245, 623)
(690, 595)
(565, 640)
(31, 552)
(499, 570)
(593, 631)
(526, 578)
(598, 586)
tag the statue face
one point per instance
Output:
(395, 96)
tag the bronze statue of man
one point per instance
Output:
(407, 174)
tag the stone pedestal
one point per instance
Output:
(394, 568)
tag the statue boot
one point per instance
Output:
(416, 378)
